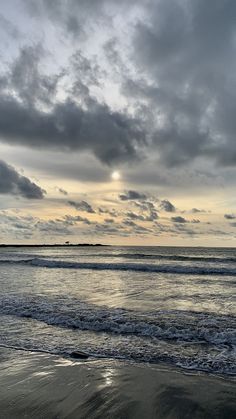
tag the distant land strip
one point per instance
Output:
(54, 245)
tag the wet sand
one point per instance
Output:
(36, 386)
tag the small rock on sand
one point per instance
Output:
(79, 355)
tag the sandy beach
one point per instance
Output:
(34, 385)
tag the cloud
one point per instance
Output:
(109, 211)
(152, 216)
(17, 225)
(82, 206)
(78, 17)
(9, 28)
(108, 229)
(132, 195)
(230, 216)
(174, 99)
(196, 210)
(62, 191)
(133, 216)
(179, 219)
(145, 206)
(72, 220)
(70, 16)
(109, 220)
(136, 228)
(167, 206)
(180, 51)
(53, 227)
(29, 98)
(11, 182)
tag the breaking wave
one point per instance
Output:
(171, 325)
(181, 258)
(135, 267)
(193, 340)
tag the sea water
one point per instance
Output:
(147, 304)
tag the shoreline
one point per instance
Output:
(84, 356)
(42, 385)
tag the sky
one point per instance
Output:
(118, 122)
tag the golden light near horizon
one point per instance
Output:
(115, 175)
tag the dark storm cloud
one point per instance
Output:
(26, 80)
(82, 206)
(230, 216)
(132, 196)
(186, 50)
(109, 135)
(179, 85)
(66, 125)
(11, 182)
(167, 206)
(179, 219)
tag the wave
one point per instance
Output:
(174, 325)
(61, 325)
(133, 256)
(134, 267)
(183, 258)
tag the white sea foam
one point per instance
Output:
(171, 325)
(197, 341)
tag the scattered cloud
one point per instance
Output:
(196, 210)
(111, 211)
(132, 196)
(179, 219)
(167, 206)
(62, 191)
(230, 216)
(82, 206)
(152, 216)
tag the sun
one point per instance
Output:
(115, 175)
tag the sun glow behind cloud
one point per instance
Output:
(116, 175)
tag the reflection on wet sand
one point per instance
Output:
(41, 386)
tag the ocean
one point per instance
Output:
(171, 305)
